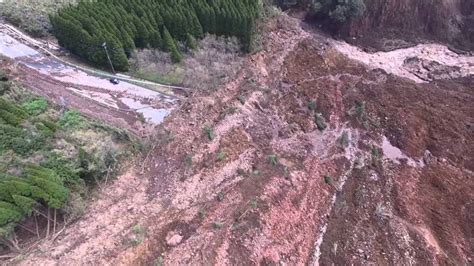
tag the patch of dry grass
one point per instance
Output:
(31, 15)
(205, 68)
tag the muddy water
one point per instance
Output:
(395, 62)
(124, 96)
(10, 48)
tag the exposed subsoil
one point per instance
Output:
(266, 186)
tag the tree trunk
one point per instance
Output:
(37, 230)
(54, 223)
(47, 228)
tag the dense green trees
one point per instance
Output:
(337, 11)
(129, 24)
(39, 177)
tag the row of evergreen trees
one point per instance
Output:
(129, 24)
(25, 195)
(34, 187)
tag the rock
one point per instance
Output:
(173, 239)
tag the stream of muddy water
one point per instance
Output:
(153, 106)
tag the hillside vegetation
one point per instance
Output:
(127, 25)
(31, 15)
(48, 160)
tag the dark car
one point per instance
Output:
(114, 81)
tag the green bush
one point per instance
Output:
(72, 119)
(36, 106)
(339, 11)
(273, 159)
(44, 130)
(10, 118)
(65, 168)
(3, 76)
(320, 122)
(12, 108)
(209, 133)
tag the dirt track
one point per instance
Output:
(324, 201)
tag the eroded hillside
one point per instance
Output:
(304, 157)
(448, 21)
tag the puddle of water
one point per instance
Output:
(153, 115)
(11, 48)
(396, 155)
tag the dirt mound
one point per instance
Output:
(304, 157)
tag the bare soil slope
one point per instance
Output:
(448, 21)
(252, 174)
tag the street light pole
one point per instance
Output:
(108, 57)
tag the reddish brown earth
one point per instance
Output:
(324, 201)
(389, 24)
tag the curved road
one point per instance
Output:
(46, 47)
(70, 81)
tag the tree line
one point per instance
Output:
(161, 24)
(336, 11)
(46, 166)
(24, 193)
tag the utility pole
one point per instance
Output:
(108, 57)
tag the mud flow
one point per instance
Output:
(314, 153)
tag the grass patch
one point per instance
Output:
(138, 235)
(72, 119)
(36, 106)
(209, 132)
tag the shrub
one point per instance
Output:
(10, 118)
(344, 139)
(50, 125)
(191, 42)
(320, 122)
(242, 99)
(360, 110)
(221, 156)
(72, 120)
(188, 160)
(36, 106)
(3, 76)
(63, 167)
(217, 225)
(273, 159)
(209, 133)
(328, 180)
(312, 105)
(12, 108)
(339, 11)
(44, 130)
